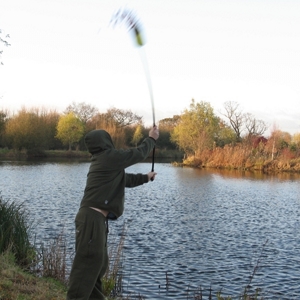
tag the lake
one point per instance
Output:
(188, 230)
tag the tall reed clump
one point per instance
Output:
(229, 157)
(112, 280)
(51, 259)
(14, 232)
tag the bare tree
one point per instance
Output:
(240, 121)
(122, 118)
(84, 112)
(118, 123)
(235, 116)
(3, 41)
(254, 126)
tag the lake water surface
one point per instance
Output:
(188, 229)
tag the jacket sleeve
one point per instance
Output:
(133, 180)
(132, 156)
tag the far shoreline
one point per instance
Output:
(174, 157)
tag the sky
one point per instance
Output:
(64, 51)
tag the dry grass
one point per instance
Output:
(51, 259)
(245, 157)
(112, 281)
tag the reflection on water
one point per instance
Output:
(194, 227)
(256, 175)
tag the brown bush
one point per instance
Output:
(246, 157)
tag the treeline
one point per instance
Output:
(235, 140)
(34, 130)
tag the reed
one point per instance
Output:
(244, 156)
(51, 259)
(112, 281)
(15, 232)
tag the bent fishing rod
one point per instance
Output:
(134, 27)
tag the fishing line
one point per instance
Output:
(148, 78)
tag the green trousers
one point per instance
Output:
(91, 258)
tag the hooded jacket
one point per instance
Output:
(106, 179)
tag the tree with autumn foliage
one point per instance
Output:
(138, 135)
(70, 130)
(296, 139)
(3, 121)
(31, 129)
(166, 127)
(119, 123)
(197, 128)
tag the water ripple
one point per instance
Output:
(189, 229)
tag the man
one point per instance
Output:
(103, 199)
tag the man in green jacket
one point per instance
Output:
(103, 199)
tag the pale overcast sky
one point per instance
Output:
(216, 51)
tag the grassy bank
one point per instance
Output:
(17, 284)
(37, 153)
(31, 272)
(17, 256)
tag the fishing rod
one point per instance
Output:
(147, 73)
(134, 27)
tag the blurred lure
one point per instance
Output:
(123, 16)
(127, 17)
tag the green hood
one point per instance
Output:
(98, 140)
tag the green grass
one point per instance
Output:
(17, 284)
(68, 154)
(4, 151)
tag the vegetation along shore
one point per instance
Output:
(236, 140)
